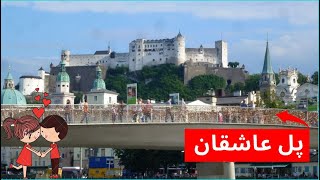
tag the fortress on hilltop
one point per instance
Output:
(144, 52)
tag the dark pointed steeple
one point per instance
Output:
(267, 68)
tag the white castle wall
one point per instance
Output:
(144, 52)
(27, 85)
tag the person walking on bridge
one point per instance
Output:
(85, 111)
(168, 110)
(67, 112)
(121, 108)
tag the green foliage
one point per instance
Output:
(277, 78)
(78, 97)
(315, 78)
(117, 71)
(252, 83)
(270, 100)
(118, 84)
(30, 99)
(302, 78)
(233, 64)
(199, 85)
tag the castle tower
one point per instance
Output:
(63, 79)
(288, 85)
(65, 54)
(9, 95)
(8, 81)
(180, 54)
(267, 80)
(41, 73)
(62, 94)
(222, 53)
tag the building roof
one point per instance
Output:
(9, 95)
(267, 68)
(234, 100)
(34, 77)
(103, 91)
(9, 76)
(12, 96)
(63, 75)
(41, 68)
(102, 52)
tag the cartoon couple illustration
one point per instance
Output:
(28, 129)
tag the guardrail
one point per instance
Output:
(160, 113)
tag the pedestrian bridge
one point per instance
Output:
(155, 133)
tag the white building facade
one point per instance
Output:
(144, 52)
(99, 94)
(62, 87)
(288, 85)
(28, 84)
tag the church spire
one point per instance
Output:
(267, 68)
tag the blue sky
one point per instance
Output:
(34, 33)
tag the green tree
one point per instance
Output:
(78, 97)
(118, 84)
(233, 64)
(252, 83)
(315, 78)
(270, 100)
(302, 78)
(199, 85)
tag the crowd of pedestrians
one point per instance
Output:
(145, 112)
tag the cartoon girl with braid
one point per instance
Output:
(27, 130)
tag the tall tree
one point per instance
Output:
(315, 78)
(302, 78)
(252, 83)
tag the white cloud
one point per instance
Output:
(294, 12)
(295, 49)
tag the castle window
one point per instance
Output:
(58, 85)
(166, 59)
(132, 47)
(139, 54)
(63, 85)
(160, 59)
(132, 59)
(153, 50)
(139, 50)
(160, 44)
(229, 82)
(67, 85)
(139, 46)
(282, 80)
(133, 50)
(153, 60)
(95, 98)
(294, 80)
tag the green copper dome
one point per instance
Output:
(98, 82)
(63, 75)
(9, 95)
(12, 96)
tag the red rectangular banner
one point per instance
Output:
(247, 145)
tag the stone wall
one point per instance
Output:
(192, 70)
(87, 73)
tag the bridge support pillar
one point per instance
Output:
(224, 170)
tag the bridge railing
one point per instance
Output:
(160, 113)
